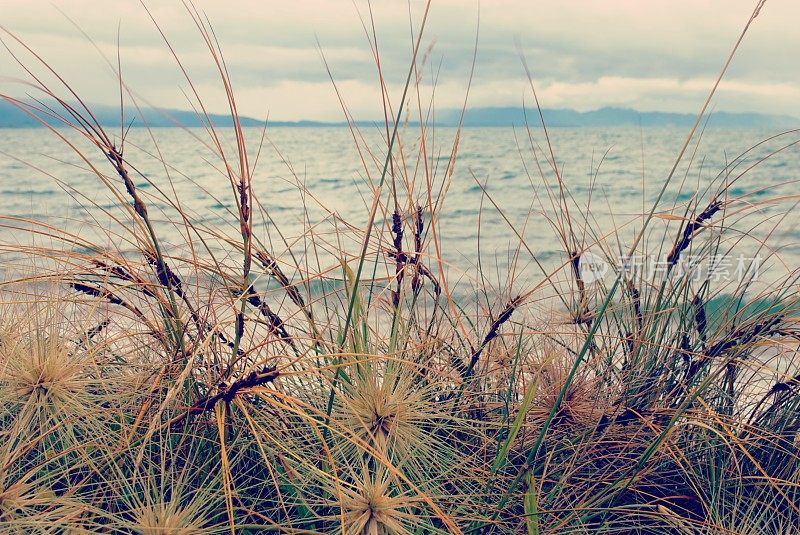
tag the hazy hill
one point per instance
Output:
(11, 117)
(607, 117)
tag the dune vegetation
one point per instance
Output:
(176, 377)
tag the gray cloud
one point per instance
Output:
(652, 54)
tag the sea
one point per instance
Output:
(503, 200)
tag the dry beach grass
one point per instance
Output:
(181, 378)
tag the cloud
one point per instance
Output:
(584, 54)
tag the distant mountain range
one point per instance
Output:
(11, 117)
(605, 117)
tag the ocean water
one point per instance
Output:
(498, 210)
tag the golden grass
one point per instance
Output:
(180, 378)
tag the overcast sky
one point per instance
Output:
(583, 54)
